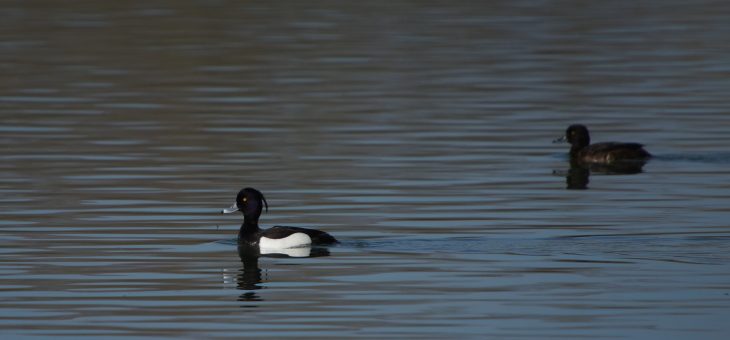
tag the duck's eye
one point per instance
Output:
(244, 200)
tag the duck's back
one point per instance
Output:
(610, 152)
(318, 237)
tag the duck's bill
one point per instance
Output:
(560, 140)
(230, 209)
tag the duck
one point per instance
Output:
(251, 202)
(607, 153)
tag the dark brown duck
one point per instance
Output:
(581, 149)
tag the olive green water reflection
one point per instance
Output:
(419, 134)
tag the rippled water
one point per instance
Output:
(416, 133)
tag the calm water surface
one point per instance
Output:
(417, 133)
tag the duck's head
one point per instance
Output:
(577, 135)
(250, 202)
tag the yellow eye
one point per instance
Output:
(244, 199)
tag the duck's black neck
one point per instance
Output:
(575, 149)
(579, 142)
(249, 229)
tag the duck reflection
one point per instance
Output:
(577, 177)
(251, 276)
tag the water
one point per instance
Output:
(418, 134)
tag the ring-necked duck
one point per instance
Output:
(250, 202)
(582, 150)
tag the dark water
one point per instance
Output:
(418, 133)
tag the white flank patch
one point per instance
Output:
(291, 252)
(292, 241)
